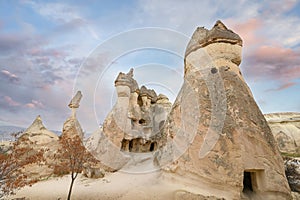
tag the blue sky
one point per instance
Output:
(46, 50)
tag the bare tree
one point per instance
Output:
(12, 165)
(71, 158)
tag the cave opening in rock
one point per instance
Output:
(142, 121)
(247, 182)
(152, 146)
(130, 145)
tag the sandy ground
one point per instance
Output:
(137, 180)
(118, 185)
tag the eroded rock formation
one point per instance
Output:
(38, 134)
(286, 130)
(135, 121)
(72, 126)
(215, 135)
(38, 137)
(292, 170)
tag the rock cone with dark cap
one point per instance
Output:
(216, 138)
(72, 126)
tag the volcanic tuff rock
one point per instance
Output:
(286, 130)
(136, 119)
(37, 137)
(38, 134)
(71, 126)
(76, 100)
(133, 125)
(292, 170)
(215, 134)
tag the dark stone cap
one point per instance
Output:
(219, 33)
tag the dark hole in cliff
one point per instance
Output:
(123, 145)
(152, 146)
(247, 182)
(214, 70)
(142, 121)
(130, 145)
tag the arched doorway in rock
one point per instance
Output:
(153, 146)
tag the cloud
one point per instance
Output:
(275, 63)
(68, 17)
(248, 30)
(10, 101)
(49, 52)
(34, 104)
(13, 78)
(14, 42)
(55, 11)
(279, 7)
(282, 87)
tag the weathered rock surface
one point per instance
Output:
(74, 103)
(38, 134)
(135, 121)
(37, 137)
(93, 171)
(292, 170)
(71, 127)
(215, 133)
(104, 150)
(286, 130)
(296, 195)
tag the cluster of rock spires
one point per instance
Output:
(136, 119)
(213, 138)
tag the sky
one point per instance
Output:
(51, 49)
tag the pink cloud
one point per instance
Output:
(282, 87)
(9, 74)
(247, 30)
(34, 104)
(40, 52)
(275, 63)
(10, 101)
(30, 105)
(276, 51)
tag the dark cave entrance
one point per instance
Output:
(153, 146)
(130, 145)
(247, 182)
